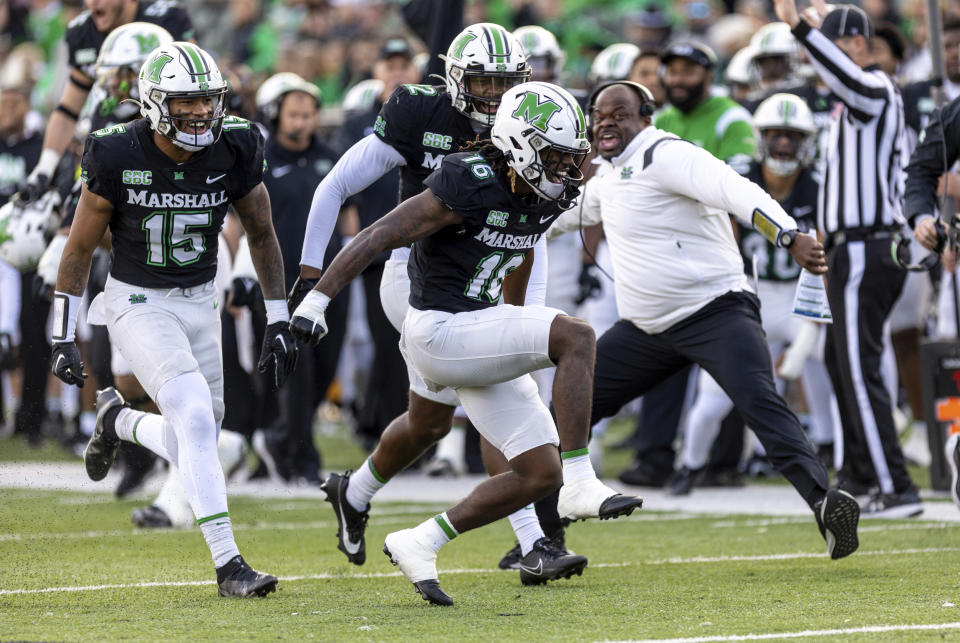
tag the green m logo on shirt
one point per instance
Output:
(534, 112)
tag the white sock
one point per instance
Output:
(365, 482)
(148, 430)
(218, 532)
(69, 402)
(526, 526)
(577, 466)
(435, 532)
(451, 447)
(53, 404)
(88, 420)
(172, 500)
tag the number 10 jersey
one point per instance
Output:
(167, 216)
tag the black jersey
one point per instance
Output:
(462, 267)
(289, 180)
(775, 263)
(166, 215)
(17, 157)
(420, 122)
(84, 41)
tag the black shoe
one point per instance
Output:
(102, 448)
(905, 504)
(350, 523)
(644, 475)
(431, 591)
(863, 492)
(547, 562)
(511, 560)
(681, 483)
(759, 466)
(825, 453)
(152, 517)
(837, 516)
(237, 578)
(139, 467)
(727, 477)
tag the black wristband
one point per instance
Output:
(68, 113)
(80, 84)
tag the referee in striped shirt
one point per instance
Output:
(859, 211)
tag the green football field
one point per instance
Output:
(74, 569)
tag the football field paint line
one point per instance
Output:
(868, 629)
(485, 570)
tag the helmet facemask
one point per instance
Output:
(784, 150)
(188, 131)
(555, 174)
(481, 91)
(122, 94)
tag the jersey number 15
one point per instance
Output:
(174, 236)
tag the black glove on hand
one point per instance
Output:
(6, 352)
(65, 363)
(298, 291)
(245, 292)
(42, 291)
(32, 190)
(280, 346)
(589, 283)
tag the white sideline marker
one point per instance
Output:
(868, 629)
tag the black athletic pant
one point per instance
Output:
(387, 391)
(862, 286)
(34, 359)
(659, 420)
(304, 391)
(724, 337)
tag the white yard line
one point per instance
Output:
(488, 570)
(868, 629)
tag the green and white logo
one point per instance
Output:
(137, 177)
(154, 66)
(456, 49)
(146, 42)
(497, 218)
(534, 112)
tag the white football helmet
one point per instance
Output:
(182, 70)
(785, 112)
(362, 95)
(538, 43)
(24, 231)
(613, 63)
(740, 69)
(482, 63)
(538, 127)
(271, 93)
(775, 40)
(121, 57)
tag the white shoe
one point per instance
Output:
(416, 560)
(590, 498)
(418, 563)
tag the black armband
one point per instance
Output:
(80, 84)
(66, 111)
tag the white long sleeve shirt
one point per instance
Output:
(664, 211)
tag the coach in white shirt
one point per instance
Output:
(681, 288)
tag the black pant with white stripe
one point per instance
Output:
(724, 337)
(863, 284)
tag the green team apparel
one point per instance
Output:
(719, 125)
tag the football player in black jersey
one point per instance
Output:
(162, 184)
(85, 35)
(477, 223)
(416, 127)
(785, 142)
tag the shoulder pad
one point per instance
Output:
(159, 8)
(79, 20)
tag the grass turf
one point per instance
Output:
(652, 576)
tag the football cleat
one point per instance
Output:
(152, 517)
(511, 560)
(238, 579)
(102, 448)
(590, 498)
(547, 562)
(350, 523)
(418, 563)
(838, 515)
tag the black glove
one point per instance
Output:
(65, 363)
(280, 346)
(32, 189)
(245, 292)
(42, 291)
(7, 360)
(589, 283)
(298, 291)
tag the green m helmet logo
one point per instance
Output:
(534, 112)
(153, 67)
(146, 42)
(456, 49)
